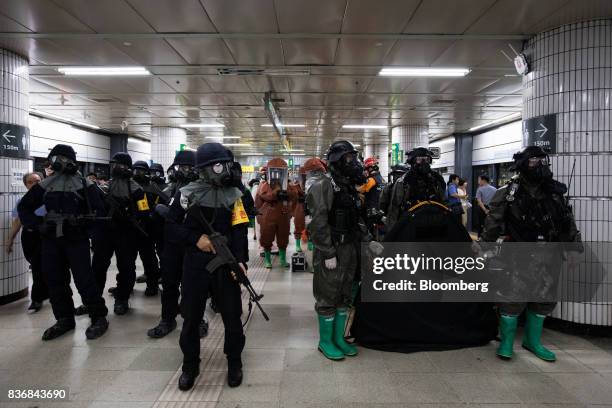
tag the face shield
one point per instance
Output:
(184, 172)
(140, 174)
(278, 176)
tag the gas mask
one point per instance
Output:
(537, 168)
(421, 164)
(171, 175)
(218, 175)
(141, 176)
(119, 170)
(184, 173)
(62, 164)
(156, 177)
(351, 167)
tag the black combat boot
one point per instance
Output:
(203, 329)
(234, 371)
(98, 327)
(121, 307)
(187, 379)
(60, 327)
(164, 328)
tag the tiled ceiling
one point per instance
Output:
(341, 44)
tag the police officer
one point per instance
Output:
(336, 229)
(183, 173)
(397, 171)
(153, 225)
(72, 204)
(129, 209)
(420, 183)
(213, 198)
(157, 175)
(529, 208)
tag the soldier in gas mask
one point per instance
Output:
(153, 226)
(337, 229)
(420, 183)
(72, 205)
(276, 203)
(397, 171)
(129, 211)
(530, 208)
(157, 175)
(214, 200)
(183, 173)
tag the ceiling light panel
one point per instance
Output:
(424, 72)
(104, 71)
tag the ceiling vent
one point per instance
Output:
(443, 102)
(103, 100)
(262, 71)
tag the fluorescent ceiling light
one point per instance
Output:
(202, 125)
(496, 121)
(364, 127)
(222, 137)
(236, 144)
(251, 154)
(424, 72)
(289, 126)
(62, 118)
(104, 71)
(294, 154)
(292, 150)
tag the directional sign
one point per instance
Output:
(541, 131)
(14, 141)
(435, 151)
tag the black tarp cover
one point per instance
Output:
(409, 327)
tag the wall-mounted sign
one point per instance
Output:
(542, 132)
(14, 141)
(435, 152)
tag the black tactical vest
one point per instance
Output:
(345, 213)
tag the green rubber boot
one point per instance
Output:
(326, 344)
(507, 331)
(282, 256)
(298, 245)
(533, 335)
(267, 259)
(310, 245)
(339, 325)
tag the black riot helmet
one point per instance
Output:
(214, 163)
(343, 159)
(533, 163)
(420, 160)
(397, 171)
(62, 159)
(157, 173)
(121, 165)
(183, 165)
(141, 171)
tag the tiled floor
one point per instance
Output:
(282, 366)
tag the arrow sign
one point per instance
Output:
(541, 131)
(6, 135)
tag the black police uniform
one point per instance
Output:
(71, 201)
(186, 226)
(172, 255)
(153, 226)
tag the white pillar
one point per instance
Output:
(570, 77)
(165, 142)
(410, 137)
(14, 277)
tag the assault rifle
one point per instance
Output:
(224, 257)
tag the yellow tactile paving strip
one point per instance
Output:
(213, 367)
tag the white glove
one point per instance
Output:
(331, 263)
(376, 247)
